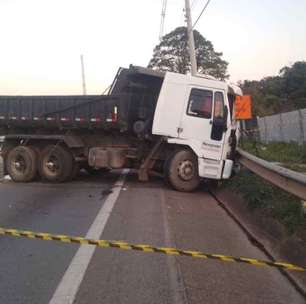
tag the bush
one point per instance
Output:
(275, 202)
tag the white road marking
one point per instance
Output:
(175, 275)
(69, 285)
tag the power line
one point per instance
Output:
(162, 21)
(201, 13)
(83, 75)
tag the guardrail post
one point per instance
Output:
(281, 127)
(266, 131)
(302, 137)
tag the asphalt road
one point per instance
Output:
(33, 271)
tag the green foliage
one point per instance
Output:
(286, 153)
(172, 54)
(282, 93)
(272, 201)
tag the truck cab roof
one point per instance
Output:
(154, 75)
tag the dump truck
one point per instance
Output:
(177, 126)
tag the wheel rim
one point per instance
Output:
(52, 165)
(19, 164)
(186, 170)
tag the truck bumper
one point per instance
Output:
(209, 168)
(227, 170)
(215, 169)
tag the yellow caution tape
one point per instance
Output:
(146, 248)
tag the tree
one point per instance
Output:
(172, 54)
(294, 83)
(282, 93)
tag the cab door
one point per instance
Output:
(201, 122)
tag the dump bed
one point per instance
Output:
(63, 111)
(132, 97)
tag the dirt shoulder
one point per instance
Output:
(284, 242)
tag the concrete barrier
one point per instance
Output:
(284, 127)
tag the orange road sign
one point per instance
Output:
(243, 106)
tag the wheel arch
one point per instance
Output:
(171, 149)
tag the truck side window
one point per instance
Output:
(200, 103)
(217, 130)
(219, 105)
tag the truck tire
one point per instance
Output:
(21, 163)
(55, 164)
(181, 171)
(5, 149)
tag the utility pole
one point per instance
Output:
(83, 75)
(162, 21)
(193, 59)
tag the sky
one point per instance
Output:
(42, 40)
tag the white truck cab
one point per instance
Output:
(197, 111)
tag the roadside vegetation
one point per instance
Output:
(289, 155)
(271, 201)
(284, 92)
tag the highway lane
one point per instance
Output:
(152, 213)
(30, 270)
(144, 213)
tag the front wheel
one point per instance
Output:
(181, 171)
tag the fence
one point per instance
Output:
(284, 127)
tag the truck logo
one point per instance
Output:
(205, 145)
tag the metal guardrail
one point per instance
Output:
(288, 180)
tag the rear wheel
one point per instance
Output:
(181, 171)
(21, 163)
(56, 164)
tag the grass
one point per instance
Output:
(272, 201)
(290, 155)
